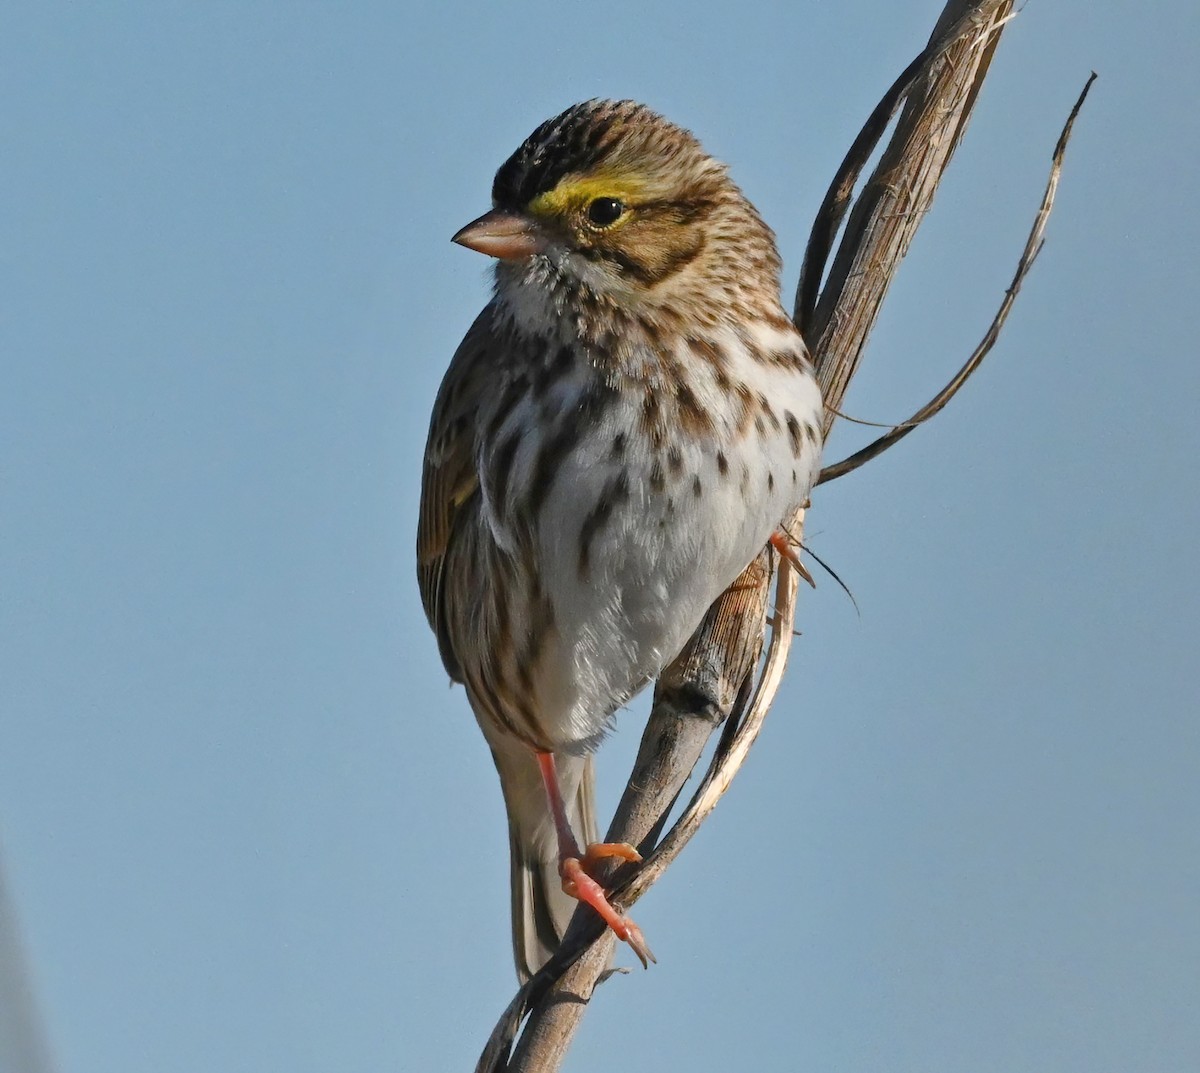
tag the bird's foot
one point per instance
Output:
(578, 870)
(579, 882)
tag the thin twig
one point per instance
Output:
(838, 195)
(895, 198)
(1033, 246)
(842, 415)
(834, 574)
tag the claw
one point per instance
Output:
(782, 544)
(602, 851)
(578, 883)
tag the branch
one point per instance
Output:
(1033, 246)
(729, 672)
(837, 197)
(900, 190)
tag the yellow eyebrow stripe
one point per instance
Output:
(575, 193)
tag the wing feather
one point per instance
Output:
(450, 479)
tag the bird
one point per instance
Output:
(625, 426)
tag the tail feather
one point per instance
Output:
(540, 909)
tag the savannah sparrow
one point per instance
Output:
(625, 426)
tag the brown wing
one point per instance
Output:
(449, 482)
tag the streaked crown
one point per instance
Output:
(598, 136)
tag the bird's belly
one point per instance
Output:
(636, 544)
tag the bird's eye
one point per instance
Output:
(604, 211)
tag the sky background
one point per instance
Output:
(245, 824)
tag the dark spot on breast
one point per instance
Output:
(563, 360)
(670, 367)
(750, 342)
(769, 411)
(597, 398)
(743, 402)
(722, 464)
(548, 372)
(614, 493)
(549, 462)
(675, 461)
(794, 433)
(697, 487)
(618, 447)
(658, 479)
(706, 349)
(694, 418)
(779, 322)
(770, 482)
(651, 419)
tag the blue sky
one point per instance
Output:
(245, 823)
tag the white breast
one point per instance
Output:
(684, 518)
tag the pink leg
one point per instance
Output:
(576, 868)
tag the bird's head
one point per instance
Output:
(612, 199)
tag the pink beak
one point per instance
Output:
(502, 234)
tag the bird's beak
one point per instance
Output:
(502, 234)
